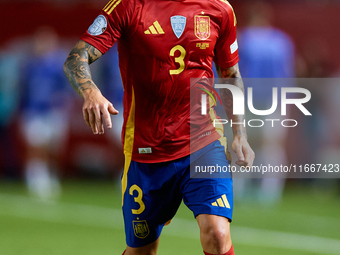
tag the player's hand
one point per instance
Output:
(95, 109)
(245, 154)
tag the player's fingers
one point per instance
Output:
(92, 120)
(241, 163)
(86, 117)
(252, 157)
(102, 127)
(249, 156)
(112, 110)
(239, 153)
(106, 116)
(98, 119)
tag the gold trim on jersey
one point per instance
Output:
(219, 129)
(128, 143)
(225, 1)
(111, 6)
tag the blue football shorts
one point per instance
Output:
(154, 192)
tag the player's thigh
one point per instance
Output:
(209, 194)
(151, 198)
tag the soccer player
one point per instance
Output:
(162, 44)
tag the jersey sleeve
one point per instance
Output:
(113, 21)
(226, 49)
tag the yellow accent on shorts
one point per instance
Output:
(128, 143)
(219, 129)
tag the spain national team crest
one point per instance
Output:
(202, 27)
(141, 229)
(178, 24)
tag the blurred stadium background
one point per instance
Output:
(59, 184)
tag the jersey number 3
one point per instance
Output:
(179, 60)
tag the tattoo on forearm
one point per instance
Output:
(94, 54)
(77, 67)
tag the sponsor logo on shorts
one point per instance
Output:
(222, 202)
(140, 228)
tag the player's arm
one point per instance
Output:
(77, 70)
(240, 144)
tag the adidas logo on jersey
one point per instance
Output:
(222, 202)
(154, 29)
(144, 150)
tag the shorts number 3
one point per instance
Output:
(138, 199)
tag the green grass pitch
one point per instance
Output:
(87, 220)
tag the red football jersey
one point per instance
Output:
(161, 45)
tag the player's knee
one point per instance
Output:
(217, 237)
